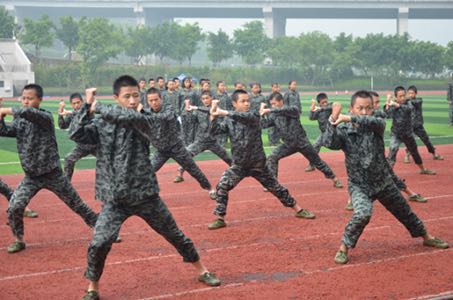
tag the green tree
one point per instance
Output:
(448, 57)
(284, 51)
(426, 58)
(68, 33)
(219, 47)
(7, 25)
(99, 41)
(38, 33)
(251, 43)
(188, 36)
(164, 40)
(139, 43)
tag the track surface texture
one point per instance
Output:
(263, 253)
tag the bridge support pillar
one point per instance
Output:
(402, 23)
(274, 23)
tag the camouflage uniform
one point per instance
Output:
(272, 132)
(125, 181)
(174, 99)
(227, 104)
(143, 98)
(38, 152)
(417, 120)
(204, 140)
(165, 137)
(188, 126)
(292, 98)
(322, 115)
(5, 190)
(286, 120)
(248, 159)
(369, 176)
(402, 132)
(80, 150)
(255, 102)
(450, 101)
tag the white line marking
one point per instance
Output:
(442, 295)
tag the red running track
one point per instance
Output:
(263, 253)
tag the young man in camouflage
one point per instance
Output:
(34, 131)
(400, 183)
(224, 103)
(286, 119)
(402, 129)
(292, 97)
(321, 113)
(187, 119)
(8, 192)
(361, 138)
(125, 180)
(204, 140)
(64, 121)
(272, 132)
(166, 138)
(417, 119)
(243, 127)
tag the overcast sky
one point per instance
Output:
(438, 31)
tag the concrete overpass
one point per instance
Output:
(274, 12)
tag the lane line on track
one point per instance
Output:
(154, 257)
(308, 273)
(443, 295)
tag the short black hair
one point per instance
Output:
(412, 88)
(235, 95)
(151, 79)
(206, 93)
(75, 96)
(142, 79)
(275, 84)
(123, 81)
(373, 93)
(361, 94)
(291, 82)
(36, 87)
(399, 88)
(239, 82)
(175, 78)
(321, 96)
(277, 96)
(152, 91)
(219, 82)
(159, 78)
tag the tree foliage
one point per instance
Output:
(220, 47)
(8, 27)
(38, 33)
(68, 33)
(251, 43)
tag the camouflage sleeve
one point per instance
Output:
(332, 138)
(370, 123)
(245, 117)
(267, 121)
(217, 127)
(38, 116)
(83, 128)
(125, 116)
(313, 115)
(203, 109)
(63, 123)
(166, 113)
(288, 111)
(7, 130)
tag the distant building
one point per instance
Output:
(15, 68)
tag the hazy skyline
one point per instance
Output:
(438, 31)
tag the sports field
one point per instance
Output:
(263, 253)
(435, 110)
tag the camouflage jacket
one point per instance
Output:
(245, 133)
(402, 119)
(36, 142)
(174, 100)
(286, 120)
(65, 121)
(292, 98)
(165, 128)
(255, 102)
(203, 133)
(417, 113)
(225, 101)
(322, 115)
(123, 168)
(362, 141)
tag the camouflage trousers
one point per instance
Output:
(423, 135)
(273, 135)
(5, 190)
(180, 154)
(411, 146)
(198, 147)
(307, 151)
(154, 211)
(54, 181)
(188, 128)
(391, 198)
(75, 155)
(233, 175)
